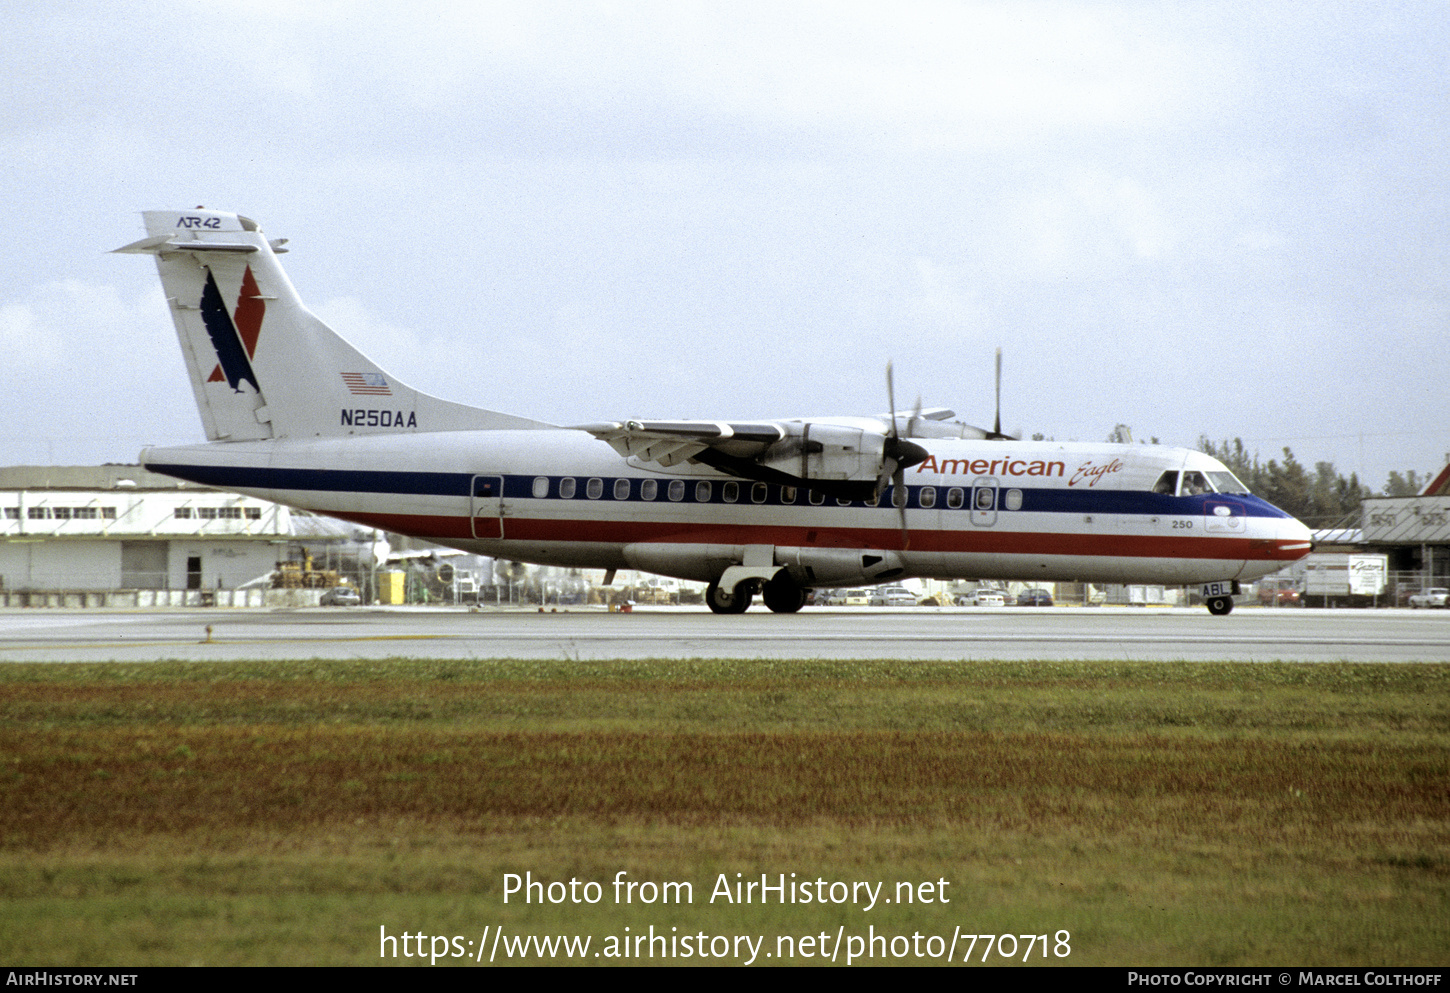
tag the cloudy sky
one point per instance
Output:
(1220, 219)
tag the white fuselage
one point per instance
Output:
(974, 509)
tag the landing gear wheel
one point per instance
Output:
(1220, 605)
(733, 602)
(782, 595)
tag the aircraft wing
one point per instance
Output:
(672, 442)
(846, 457)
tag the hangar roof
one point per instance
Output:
(1440, 485)
(87, 477)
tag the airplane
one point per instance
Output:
(296, 415)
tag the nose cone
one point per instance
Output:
(1293, 539)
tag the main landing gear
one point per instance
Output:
(1219, 605)
(780, 594)
(735, 601)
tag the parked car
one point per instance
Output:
(893, 596)
(858, 598)
(1436, 596)
(1276, 593)
(1034, 598)
(340, 596)
(984, 598)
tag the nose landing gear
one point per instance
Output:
(1219, 596)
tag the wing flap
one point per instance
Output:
(672, 442)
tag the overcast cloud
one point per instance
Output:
(1221, 219)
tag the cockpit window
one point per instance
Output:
(1197, 483)
(1194, 484)
(1227, 482)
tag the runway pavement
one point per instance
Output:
(1248, 634)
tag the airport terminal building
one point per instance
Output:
(1413, 531)
(69, 533)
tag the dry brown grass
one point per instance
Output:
(61, 783)
(1187, 814)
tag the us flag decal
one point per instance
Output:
(372, 384)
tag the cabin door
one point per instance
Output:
(486, 507)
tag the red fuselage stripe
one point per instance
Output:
(444, 528)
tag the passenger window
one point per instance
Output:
(677, 490)
(730, 492)
(702, 492)
(787, 494)
(594, 489)
(817, 498)
(541, 487)
(621, 489)
(567, 486)
(649, 489)
(927, 497)
(985, 497)
(758, 493)
(899, 496)
(955, 498)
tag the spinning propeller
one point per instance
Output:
(996, 432)
(897, 455)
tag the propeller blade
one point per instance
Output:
(888, 469)
(891, 399)
(997, 424)
(898, 455)
(889, 460)
(899, 482)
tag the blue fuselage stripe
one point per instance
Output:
(522, 487)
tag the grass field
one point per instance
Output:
(290, 813)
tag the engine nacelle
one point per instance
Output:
(827, 452)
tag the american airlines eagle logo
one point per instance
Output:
(233, 336)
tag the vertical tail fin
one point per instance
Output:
(261, 364)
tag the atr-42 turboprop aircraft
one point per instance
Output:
(295, 414)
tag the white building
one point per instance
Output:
(119, 527)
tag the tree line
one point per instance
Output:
(1321, 498)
